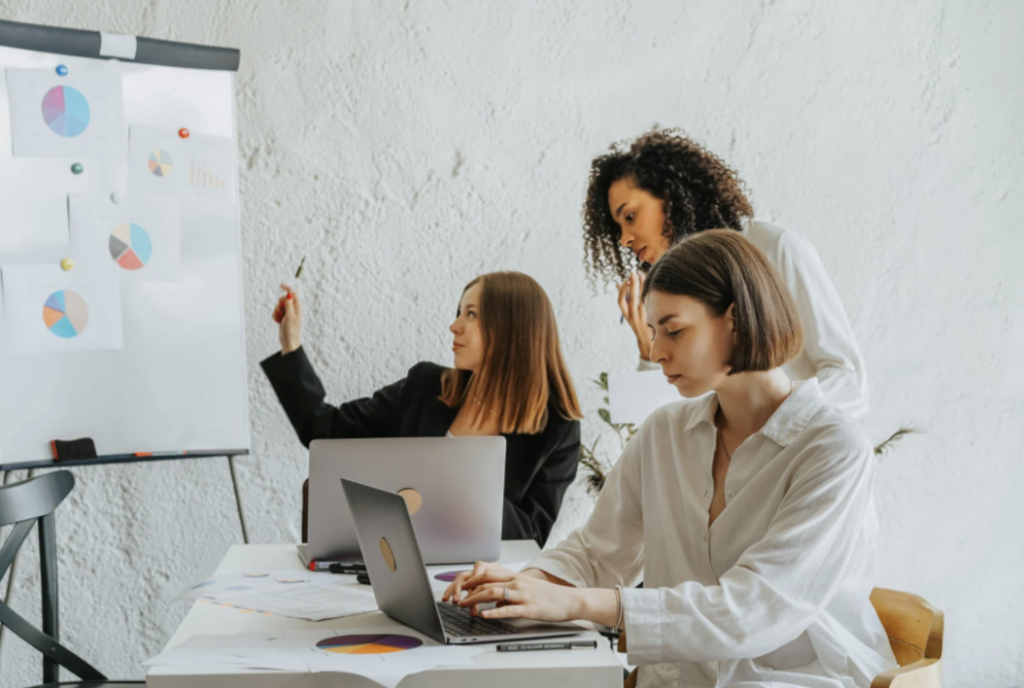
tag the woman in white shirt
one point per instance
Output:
(646, 197)
(748, 512)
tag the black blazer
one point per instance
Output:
(538, 468)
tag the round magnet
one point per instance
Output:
(77, 168)
(67, 264)
(183, 133)
(116, 197)
(62, 70)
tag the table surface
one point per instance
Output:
(600, 667)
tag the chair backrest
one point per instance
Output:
(914, 627)
(24, 505)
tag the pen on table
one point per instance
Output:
(166, 453)
(326, 564)
(363, 578)
(567, 645)
(349, 568)
(299, 271)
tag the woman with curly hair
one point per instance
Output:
(649, 195)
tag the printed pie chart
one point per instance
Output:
(449, 576)
(66, 314)
(160, 162)
(66, 111)
(130, 246)
(375, 644)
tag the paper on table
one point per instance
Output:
(255, 651)
(636, 395)
(310, 602)
(77, 115)
(138, 238)
(52, 311)
(199, 171)
(259, 581)
(387, 669)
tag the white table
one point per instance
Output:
(599, 668)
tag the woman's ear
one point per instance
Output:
(730, 319)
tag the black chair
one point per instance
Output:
(23, 505)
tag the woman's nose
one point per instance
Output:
(625, 240)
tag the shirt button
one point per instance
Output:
(707, 491)
(729, 495)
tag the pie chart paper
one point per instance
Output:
(138, 239)
(66, 111)
(130, 246)
(78, 115)
(51, 311)
(369, 644)
(66, 314)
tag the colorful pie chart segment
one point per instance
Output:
(375, 644)
(65, 314)
(160, 162)
(449, 576)
(66, 111)
(130, 246)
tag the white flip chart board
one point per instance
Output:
(178, 380)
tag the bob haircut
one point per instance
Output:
(721, 268)
(522, 366)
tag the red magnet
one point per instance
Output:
(183, 133)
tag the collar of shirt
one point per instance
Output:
(788, 421)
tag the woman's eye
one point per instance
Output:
(675, 333)
(470, 314)
(629, 218)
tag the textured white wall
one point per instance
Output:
(406, 147)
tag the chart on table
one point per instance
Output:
(369, 644)
(66, 314)
(130, 246)
(160, 162)
(66, 111)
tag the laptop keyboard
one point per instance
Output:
(457, 622)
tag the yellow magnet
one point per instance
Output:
(67, 264)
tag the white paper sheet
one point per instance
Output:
(200, 171)
(304, 652)
(52, 311)
(310, 602)
(77, 115)
(387, 669)
(260, 581)
(35, 229)
(634, 396)
(138, 238)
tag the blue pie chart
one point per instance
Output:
(66, 111)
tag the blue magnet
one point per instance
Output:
(62, 70)
(77, 168)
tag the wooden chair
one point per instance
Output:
(914, 628)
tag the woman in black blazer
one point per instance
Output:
(508, 378)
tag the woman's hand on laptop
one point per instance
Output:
(532, 594)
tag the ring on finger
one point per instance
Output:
(506, 594)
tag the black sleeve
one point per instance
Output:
(302, 395)
(532, 517)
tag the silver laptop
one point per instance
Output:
(401, 583)
(454, 487)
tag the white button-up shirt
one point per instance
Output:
(776, 591)
(830, 349)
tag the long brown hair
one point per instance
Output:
(522, 366)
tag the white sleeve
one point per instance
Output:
(608, 550)
(777, 587)
(828, 338)
(647, 365)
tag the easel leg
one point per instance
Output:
(238, 500)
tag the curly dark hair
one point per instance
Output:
(699, 190)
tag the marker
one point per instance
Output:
(532, 647)
(326, 564)
(348, 568)
(169, 453)
(299, 271)
(363, 579)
